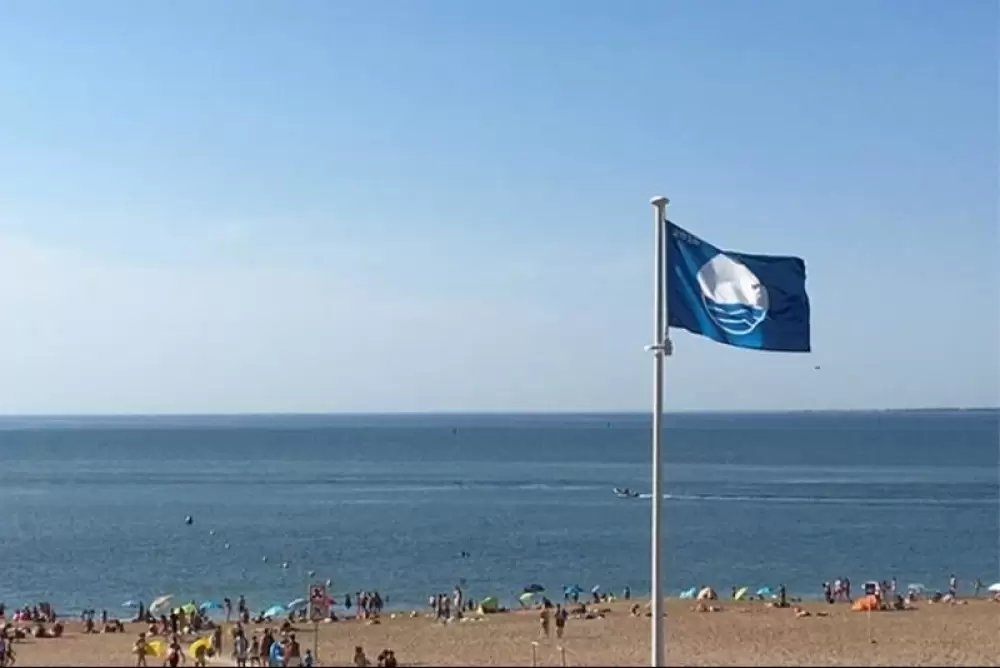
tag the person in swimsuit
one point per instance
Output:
(561, 616)
(175, 656)
(240, 646)
(543, 621)
(139, 649)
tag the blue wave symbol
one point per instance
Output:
(735, 318)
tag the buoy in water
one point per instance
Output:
(188, 520)
(212, 532)
(263, 559)
(284, 565)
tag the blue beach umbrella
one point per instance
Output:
(210, 605)
(572, 590)
(297, 603)
(275, 611)
(130, 604)
(765, 591)
(689, 593)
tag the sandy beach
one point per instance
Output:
(741, 634)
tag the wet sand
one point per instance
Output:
(742, 634)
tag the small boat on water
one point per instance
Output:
(626, 493)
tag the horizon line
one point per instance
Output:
(539, 413)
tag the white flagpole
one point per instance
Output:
(660, 348)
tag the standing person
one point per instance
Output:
(953, 586)
(543, 621)
(240, 648)
(139, 649)
(255, 651)
(561, 616)
(293, 652)
(227, 605)
(174, 654)
(979, 585)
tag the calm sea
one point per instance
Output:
(92, 510)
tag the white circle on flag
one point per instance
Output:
(734, 297)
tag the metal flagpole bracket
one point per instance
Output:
(666, 348)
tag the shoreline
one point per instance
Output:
(742, 633)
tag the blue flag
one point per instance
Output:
(749, 301)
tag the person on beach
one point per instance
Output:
(6, 651)
(240, 647)
(360, 660)
(308, 661)
(255, 651)
(200, 656)
(561, 616)
(227, 605)
(175, 656)
(140, 650)
(292, 653)
(543, 621)
(953, 586)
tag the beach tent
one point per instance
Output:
(867, 603)
(689, 593)
(489, 604)
(740, 593)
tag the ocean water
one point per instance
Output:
(92, 510)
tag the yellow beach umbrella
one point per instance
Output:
(189, 608)
(205, 642)
(740, 594)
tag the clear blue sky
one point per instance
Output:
(353, 206)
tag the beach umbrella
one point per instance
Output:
(740, 593)
(160, 602)
(526, 597)
(275, 611)
(130, 604)
(765, 591)
(689, 593)
(489, 604)
(534, 588)
(994, 588)
(915, 587)
(188, 608)
(595, 589)
(205, 642)
(210, 605)
(572, 590)
(297, 603)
